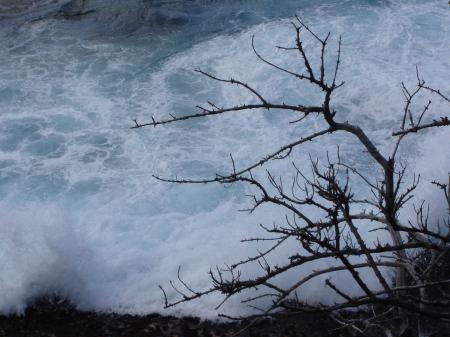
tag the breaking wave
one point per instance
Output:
(80, 213)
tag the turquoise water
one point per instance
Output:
(81, 214)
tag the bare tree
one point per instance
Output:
(416, 250)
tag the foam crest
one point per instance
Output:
(81, 214)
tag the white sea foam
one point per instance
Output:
(80, 213)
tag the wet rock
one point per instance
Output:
(75, 8)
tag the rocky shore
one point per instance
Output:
(59, 318)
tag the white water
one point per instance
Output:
(80, 214)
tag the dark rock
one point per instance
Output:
(75, 8)
(57, 317)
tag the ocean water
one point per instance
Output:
(81, 215)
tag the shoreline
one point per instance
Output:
(59, 318)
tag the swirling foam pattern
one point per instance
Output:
(80, 214)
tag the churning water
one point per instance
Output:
(80, 214)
